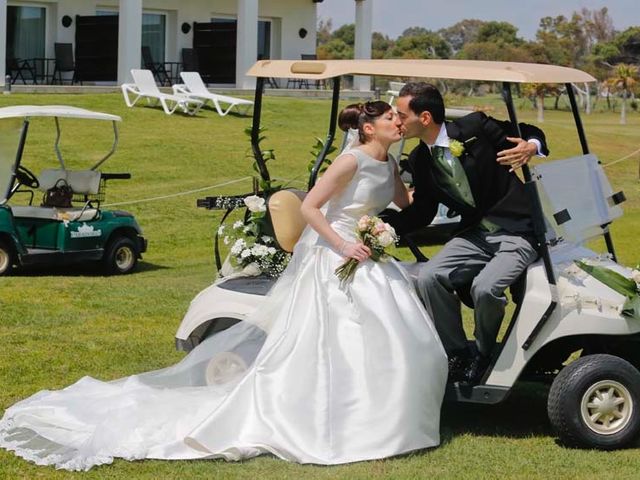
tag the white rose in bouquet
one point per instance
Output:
(363, 223)
(386, 238)
(255, 203)
(635, 275)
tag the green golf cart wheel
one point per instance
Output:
(121, 256)
(6, 258)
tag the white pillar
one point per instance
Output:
(247, 42)
(129, 38)
(364, 23)
(3, 40)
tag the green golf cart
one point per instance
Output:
(55, 218)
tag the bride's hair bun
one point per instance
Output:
(350, 116)
(357, 114)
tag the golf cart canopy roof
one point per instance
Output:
(61, 111)
(451, 69)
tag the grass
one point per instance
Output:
(58, 325)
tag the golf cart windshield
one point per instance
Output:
(14, 122)
(10, 133)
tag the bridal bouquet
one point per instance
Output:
(376, 235)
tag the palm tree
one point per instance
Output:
(538, 91)
(623, 81)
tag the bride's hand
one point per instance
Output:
(359, 251)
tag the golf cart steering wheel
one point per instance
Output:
(26, 177)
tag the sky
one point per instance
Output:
(391, 17)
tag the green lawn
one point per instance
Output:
(58, 325)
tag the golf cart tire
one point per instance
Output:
(121, 256)
(7, 257)
(594, 402)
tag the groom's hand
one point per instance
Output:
(519, 155)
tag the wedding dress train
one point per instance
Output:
(344, 374)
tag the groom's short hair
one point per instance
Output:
(424, 97)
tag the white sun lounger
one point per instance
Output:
(144, 86)
(195, 88)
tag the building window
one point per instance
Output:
(154, 28)
(264, 35)
(154, 34)
(264, 39)
(26, 30)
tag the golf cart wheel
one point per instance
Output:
(7, 258)
(121, 256)
(594, 402)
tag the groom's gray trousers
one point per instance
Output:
(490, 262)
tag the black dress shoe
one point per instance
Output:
(458, 363)
(476, 369)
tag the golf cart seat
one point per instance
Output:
(283, 213)
(85, 182)
(54, 213)
(81, 182)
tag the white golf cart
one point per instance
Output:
(567, 328)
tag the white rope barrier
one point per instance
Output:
(231, 182)
(179, 194)
(626, 157)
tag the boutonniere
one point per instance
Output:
(456, 148)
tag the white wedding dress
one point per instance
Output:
(344, 374)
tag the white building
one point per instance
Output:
(106, 37)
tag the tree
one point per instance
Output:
(461, 33)
(538, 91)
(565, 40)
(628, 43)
(323, 34)
(419, 43)
(623, 80)
(498, 32)
(494, 51)
(335, 49)
(346, 33)
(572, 41)
(598, 25)
(338, 44)
(380, 45)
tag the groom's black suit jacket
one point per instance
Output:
(498, 194)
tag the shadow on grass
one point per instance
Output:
(522, 414)
(232, 113)
(78, 270)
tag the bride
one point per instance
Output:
(347, 372)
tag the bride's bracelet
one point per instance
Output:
(342, 247)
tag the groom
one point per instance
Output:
(468, 165)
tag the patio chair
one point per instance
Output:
(195, 88)
(189, 60)
(17, 67)
(144, 86)
(157, 68)
(64, 63)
